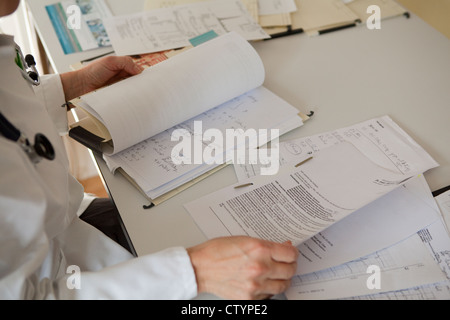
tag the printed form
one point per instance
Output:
(380, 139)
(418, 266)
(443, 201)
(172, 27)
(150, 164)
(298, 203)
(399, 214)
(407, 264)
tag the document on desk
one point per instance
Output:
(396, 215)
(267, 7)
(172, 27)
(432, 291)
(405, 265)
(380, 139)
(443, 201)
(255, 7)
(299, 202)
(382, 223)
(83, 32)
(149, 162)
(251, 5)
(314, 15)
(437, 240)
(415, 268)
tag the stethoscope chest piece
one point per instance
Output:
(41, 149)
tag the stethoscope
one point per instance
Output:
(27, 66)
(42, 147)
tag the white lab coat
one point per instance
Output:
(40, 233)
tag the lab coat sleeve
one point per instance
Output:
(167, 275)
(25, 270)
(51, 94)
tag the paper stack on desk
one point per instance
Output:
(172, 27)
(217, 85)
(344, 209)
(322, 16)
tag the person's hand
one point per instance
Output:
(100, 73)
(243, 268)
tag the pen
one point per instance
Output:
(96, 57)
(244, 185)
(285, 33)
(306, 160)
(339, 28)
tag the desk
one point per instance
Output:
(402, 70)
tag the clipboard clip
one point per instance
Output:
(151, 205)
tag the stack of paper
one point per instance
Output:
(359, 205)
(145, 124)
(170, 27)
(319, 16)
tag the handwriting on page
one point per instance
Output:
(157, 150)
(379, 139)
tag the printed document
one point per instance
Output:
(443, 201)
(380, 139)
(79, 24)
(299, 202)
(437, 241)
(172, 27)
(405, 265)
(414, 263)
(382, 223)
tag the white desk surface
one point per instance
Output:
(345, 77)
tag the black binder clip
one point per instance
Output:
(151, 205)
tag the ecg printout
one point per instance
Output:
(437, 240)
(386, 221)
(434, 291)
(407, 264)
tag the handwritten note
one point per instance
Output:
(149, 163)
(380, 139)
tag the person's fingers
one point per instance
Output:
(281, 270)
(284, 252)
(127, 64)
(272, 287)
(122, 75)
